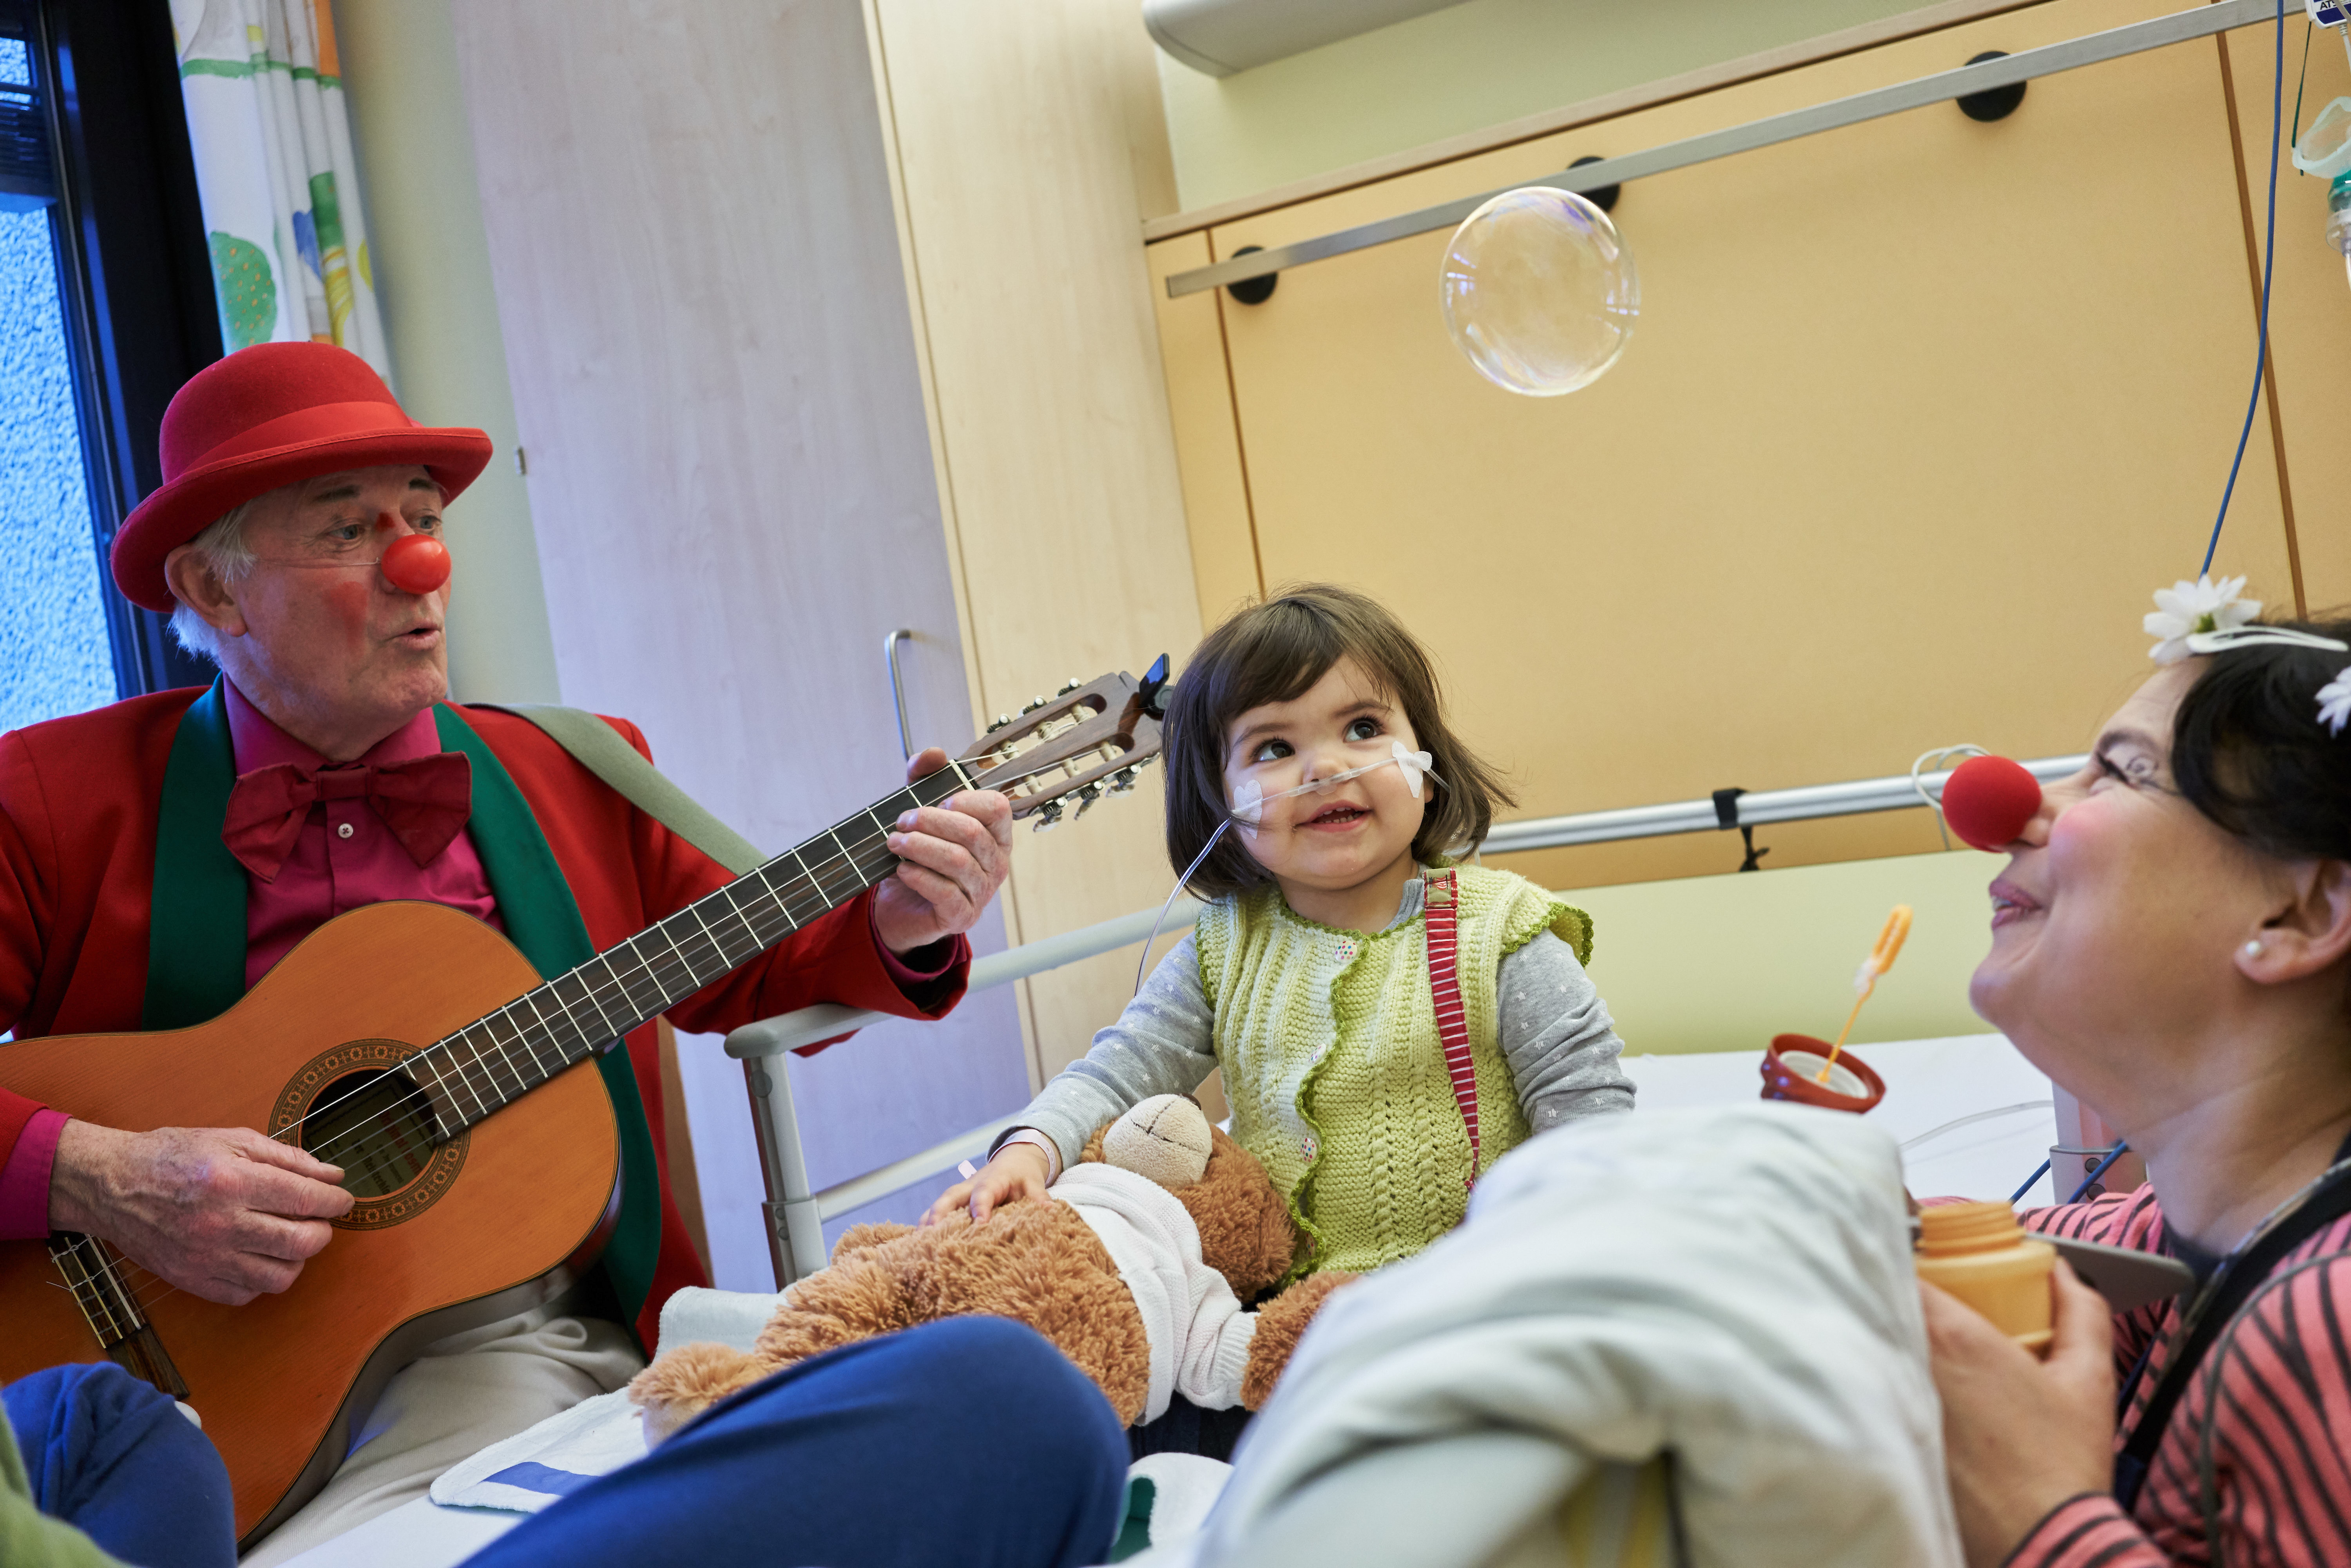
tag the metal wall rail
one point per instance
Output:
(796, 1215)
(1749, 811)
(2006, 71)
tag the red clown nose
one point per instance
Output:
(418, 563)
(1988, 800)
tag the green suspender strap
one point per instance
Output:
(543, 919)
(195, 918)
(195, 942)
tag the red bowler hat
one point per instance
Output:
(266, 416)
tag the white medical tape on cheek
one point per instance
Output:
(1249, 800)
(1412, 765)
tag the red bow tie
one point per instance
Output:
(424, 802)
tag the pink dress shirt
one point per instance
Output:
(345, 857)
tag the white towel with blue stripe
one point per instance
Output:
(564, 1452)
(553, 1459)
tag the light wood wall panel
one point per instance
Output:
(2310, 304)
(1027, 148)
(1207, 437)
(1916, 415)
(696, 252)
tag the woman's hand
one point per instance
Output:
(1018, 1171)
(2021, 1435)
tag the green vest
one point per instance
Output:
(1335, 1072)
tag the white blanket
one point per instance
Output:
(1732, 1286)
(1199, 1335)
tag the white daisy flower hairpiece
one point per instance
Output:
(2206, 617)
(2187, 611)
(2335, 701)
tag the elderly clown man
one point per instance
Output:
(158, 856)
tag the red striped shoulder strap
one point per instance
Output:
(1442, 926)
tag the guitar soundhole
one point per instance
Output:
(376, 1126)
(354, 1106)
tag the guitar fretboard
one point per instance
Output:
(504, 1056)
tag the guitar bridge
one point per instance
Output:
(113, 1313)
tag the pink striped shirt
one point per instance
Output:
(2255, 1466)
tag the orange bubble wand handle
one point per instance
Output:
(1881, 958)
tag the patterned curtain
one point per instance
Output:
(281, 197)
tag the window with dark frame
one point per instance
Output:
(106, 309)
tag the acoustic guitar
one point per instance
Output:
(460, 1096)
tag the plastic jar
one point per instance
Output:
(1980, 1254)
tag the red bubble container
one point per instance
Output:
(1793, 1064)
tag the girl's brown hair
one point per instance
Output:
(1273, 653)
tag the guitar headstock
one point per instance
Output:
(1085, 741)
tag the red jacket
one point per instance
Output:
(78, 799)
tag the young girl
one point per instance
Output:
(1311, 725)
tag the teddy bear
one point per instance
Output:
(1135, 1265)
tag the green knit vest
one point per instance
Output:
(1335, 1072)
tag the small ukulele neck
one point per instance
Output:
(500, 1058)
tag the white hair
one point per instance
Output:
(222, 549)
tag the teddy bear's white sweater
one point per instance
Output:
(1199, 1335)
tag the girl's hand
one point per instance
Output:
(1018, 1171)
(2021, 1435)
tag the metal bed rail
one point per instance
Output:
(796, 1215)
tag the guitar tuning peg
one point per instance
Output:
(1002, 720)
(1047, 816)
(1087, 795)
(1073, 685)
(1122, 781)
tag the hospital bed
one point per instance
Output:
(1971, 1114)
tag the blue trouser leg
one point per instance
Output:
(117, 1461)
(971, 1442)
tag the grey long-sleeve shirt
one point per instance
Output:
(1556, 1036)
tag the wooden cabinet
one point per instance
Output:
(694, 240)
(1918, 414)
(827, 317)
(1026, 147)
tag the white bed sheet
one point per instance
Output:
(1929, 1083)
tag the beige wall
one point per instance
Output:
(1723, 963)
(432, 272)
(1453, 72)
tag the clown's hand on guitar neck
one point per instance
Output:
(220, 1212)
(956, 858)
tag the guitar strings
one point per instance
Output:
(661, 968)
(135, 1279)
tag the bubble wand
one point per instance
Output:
(1881, 958)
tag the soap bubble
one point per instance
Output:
(1539, 291)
